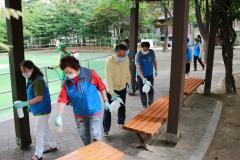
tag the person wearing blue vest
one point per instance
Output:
(127, 44)
(39, 103)
(197, 53)
(188, 59)
(145, 61)
(82, 86)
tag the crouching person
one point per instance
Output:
(39, 102)
(81, 87)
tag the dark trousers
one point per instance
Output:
(121, 111)
(196, 58)
(144, 99)
(187, 70)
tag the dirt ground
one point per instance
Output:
(226, 142)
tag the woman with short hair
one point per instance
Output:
(81, 87)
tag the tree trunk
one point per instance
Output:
(227, 54)
(205, 49)
(203, 26)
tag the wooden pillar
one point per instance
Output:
(134, 12)
(177, 77)
(211, 49)
(18, 83)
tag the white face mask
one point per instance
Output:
(27, 75)
(72, 76)
(145, 52)
(120, 60)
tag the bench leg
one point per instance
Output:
(143, 142)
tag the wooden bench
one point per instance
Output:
(95, 151)
(191, 85)
(148, 123)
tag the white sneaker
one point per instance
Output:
(106, 134)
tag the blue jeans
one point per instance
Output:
(89, 128)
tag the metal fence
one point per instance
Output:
(86, 63)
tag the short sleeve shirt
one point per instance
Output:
(146, 61)
(38, 87)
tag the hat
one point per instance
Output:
(74, 51)
(60, 47)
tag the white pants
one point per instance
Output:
(40, 131)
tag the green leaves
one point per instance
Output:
(8, 12)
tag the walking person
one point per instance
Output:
(197, 54)
(145, 61)
(117, 79)
(82, 87)
(188, 60)
(64, 52)
(39, 103)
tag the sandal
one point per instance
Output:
(49, 150)
(36, 158)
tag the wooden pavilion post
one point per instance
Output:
(134, 13)
(180, 31)
(18, 83)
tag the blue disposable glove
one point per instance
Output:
(58, 120)
(108, 106)
(114, 97)
(144, 81)
(20, 104)
(129, 88)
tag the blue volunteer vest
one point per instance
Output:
(85, 98)
(43, 107)
(146, 63)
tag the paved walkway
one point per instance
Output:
(195, 125)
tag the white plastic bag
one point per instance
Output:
(146, 88)
(19, 111)
(116, 104)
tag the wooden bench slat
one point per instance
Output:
(140, 115)
(157, 123)
(95, 151)
(103, 154)
(83, 151)
(147, 116)
(91, 153)
(192, 84)
(147, 111)
(188, 83)
(138, 124)
(114, 156)
(195, 83)
(153, 118)
(163, 119)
